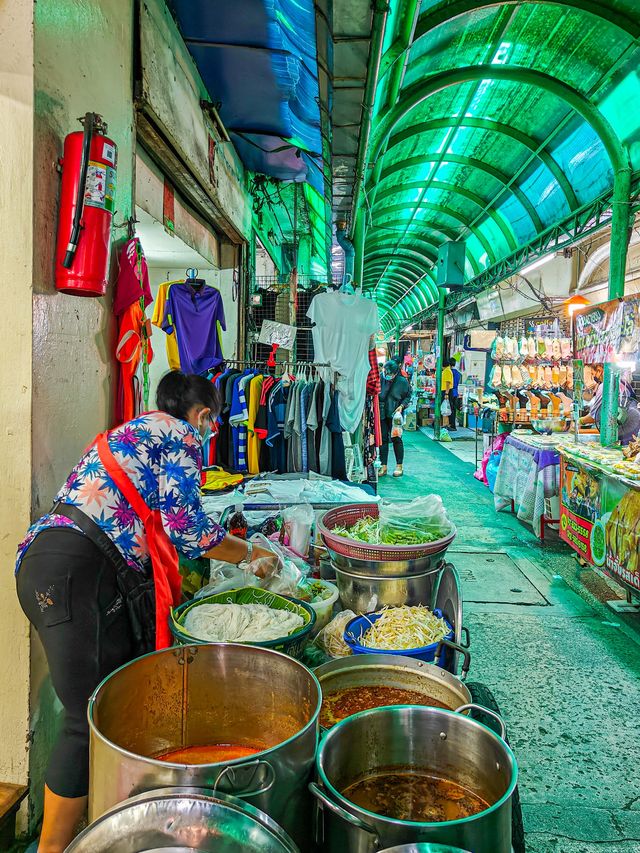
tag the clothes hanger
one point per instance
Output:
(192, 278)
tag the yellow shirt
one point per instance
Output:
(253, 442)
(173, 356)
(447, 379)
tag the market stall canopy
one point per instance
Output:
(257, 59)
(498, 123)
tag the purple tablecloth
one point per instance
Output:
(541, 456)
(527, 475)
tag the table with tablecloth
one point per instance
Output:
(529, 472)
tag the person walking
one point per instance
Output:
(449, 389)
(395, 396)
(98, 574)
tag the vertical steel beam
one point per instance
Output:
(621, 222)
(437, 421)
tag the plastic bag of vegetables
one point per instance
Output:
(422, 520)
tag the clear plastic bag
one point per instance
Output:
(298, 523)
(331, 637)
(423, 519)
(282, 575)
(445, 408)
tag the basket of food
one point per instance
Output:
(248, 615)
(381, 538)
(414, 632)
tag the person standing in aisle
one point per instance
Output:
(446, 385)
(454, 395)
(97, 575)
(395, 396)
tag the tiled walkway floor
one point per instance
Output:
(565, 670)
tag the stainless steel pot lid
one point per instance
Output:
(183, 820)
(423, 848)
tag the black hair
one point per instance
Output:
(453, 362)
(179, 392)
(392, 366)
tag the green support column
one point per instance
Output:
(620, 232)
(621, 221)
(442, 298)
(358, 243)
(610, 405)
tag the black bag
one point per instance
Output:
(137, 588)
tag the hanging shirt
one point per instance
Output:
(253, 442)
(128, 353)
(132, 283)
(344, 323)
(163, 457)
(276, 417)
(196, 313)
(159, 308)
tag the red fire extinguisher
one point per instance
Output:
(87, 198)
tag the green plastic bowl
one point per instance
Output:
(292, 645)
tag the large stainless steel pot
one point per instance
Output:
(401, 672)
(198, 695)
(424, 848)
(183, 820)
(431, 740)
(364, 594)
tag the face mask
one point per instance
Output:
(205, 430)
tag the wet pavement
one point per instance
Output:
(563, 667)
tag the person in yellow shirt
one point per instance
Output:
(446, 383)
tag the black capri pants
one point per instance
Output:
(67, 589)
(386, 425)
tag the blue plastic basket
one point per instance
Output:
(357, 627)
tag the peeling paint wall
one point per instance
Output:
(83, 62)
(16, 187)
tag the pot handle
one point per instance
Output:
(324, 801)
(497, 717)
(267, 786)
(466, 656)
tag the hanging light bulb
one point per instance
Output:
(575, 303)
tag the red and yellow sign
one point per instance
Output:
(600, 519)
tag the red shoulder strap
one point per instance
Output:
(121, 478)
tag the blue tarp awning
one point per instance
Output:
(257, 59)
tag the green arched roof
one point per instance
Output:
(496, 122)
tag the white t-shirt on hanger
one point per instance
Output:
(344, 323)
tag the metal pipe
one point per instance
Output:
(358, 243)
(621, 223)
(349, 252)
(380, 13)
(437, 419)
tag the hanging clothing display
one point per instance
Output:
(194, 311)
(133, 346)
(277, 424)
(159, 308)
(344, 324)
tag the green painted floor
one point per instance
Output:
(565, 670)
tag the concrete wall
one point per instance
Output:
(83, 62)
(16, 234)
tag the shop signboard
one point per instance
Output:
(605, 331)
(600, 519)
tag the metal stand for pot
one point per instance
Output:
(447, 597)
